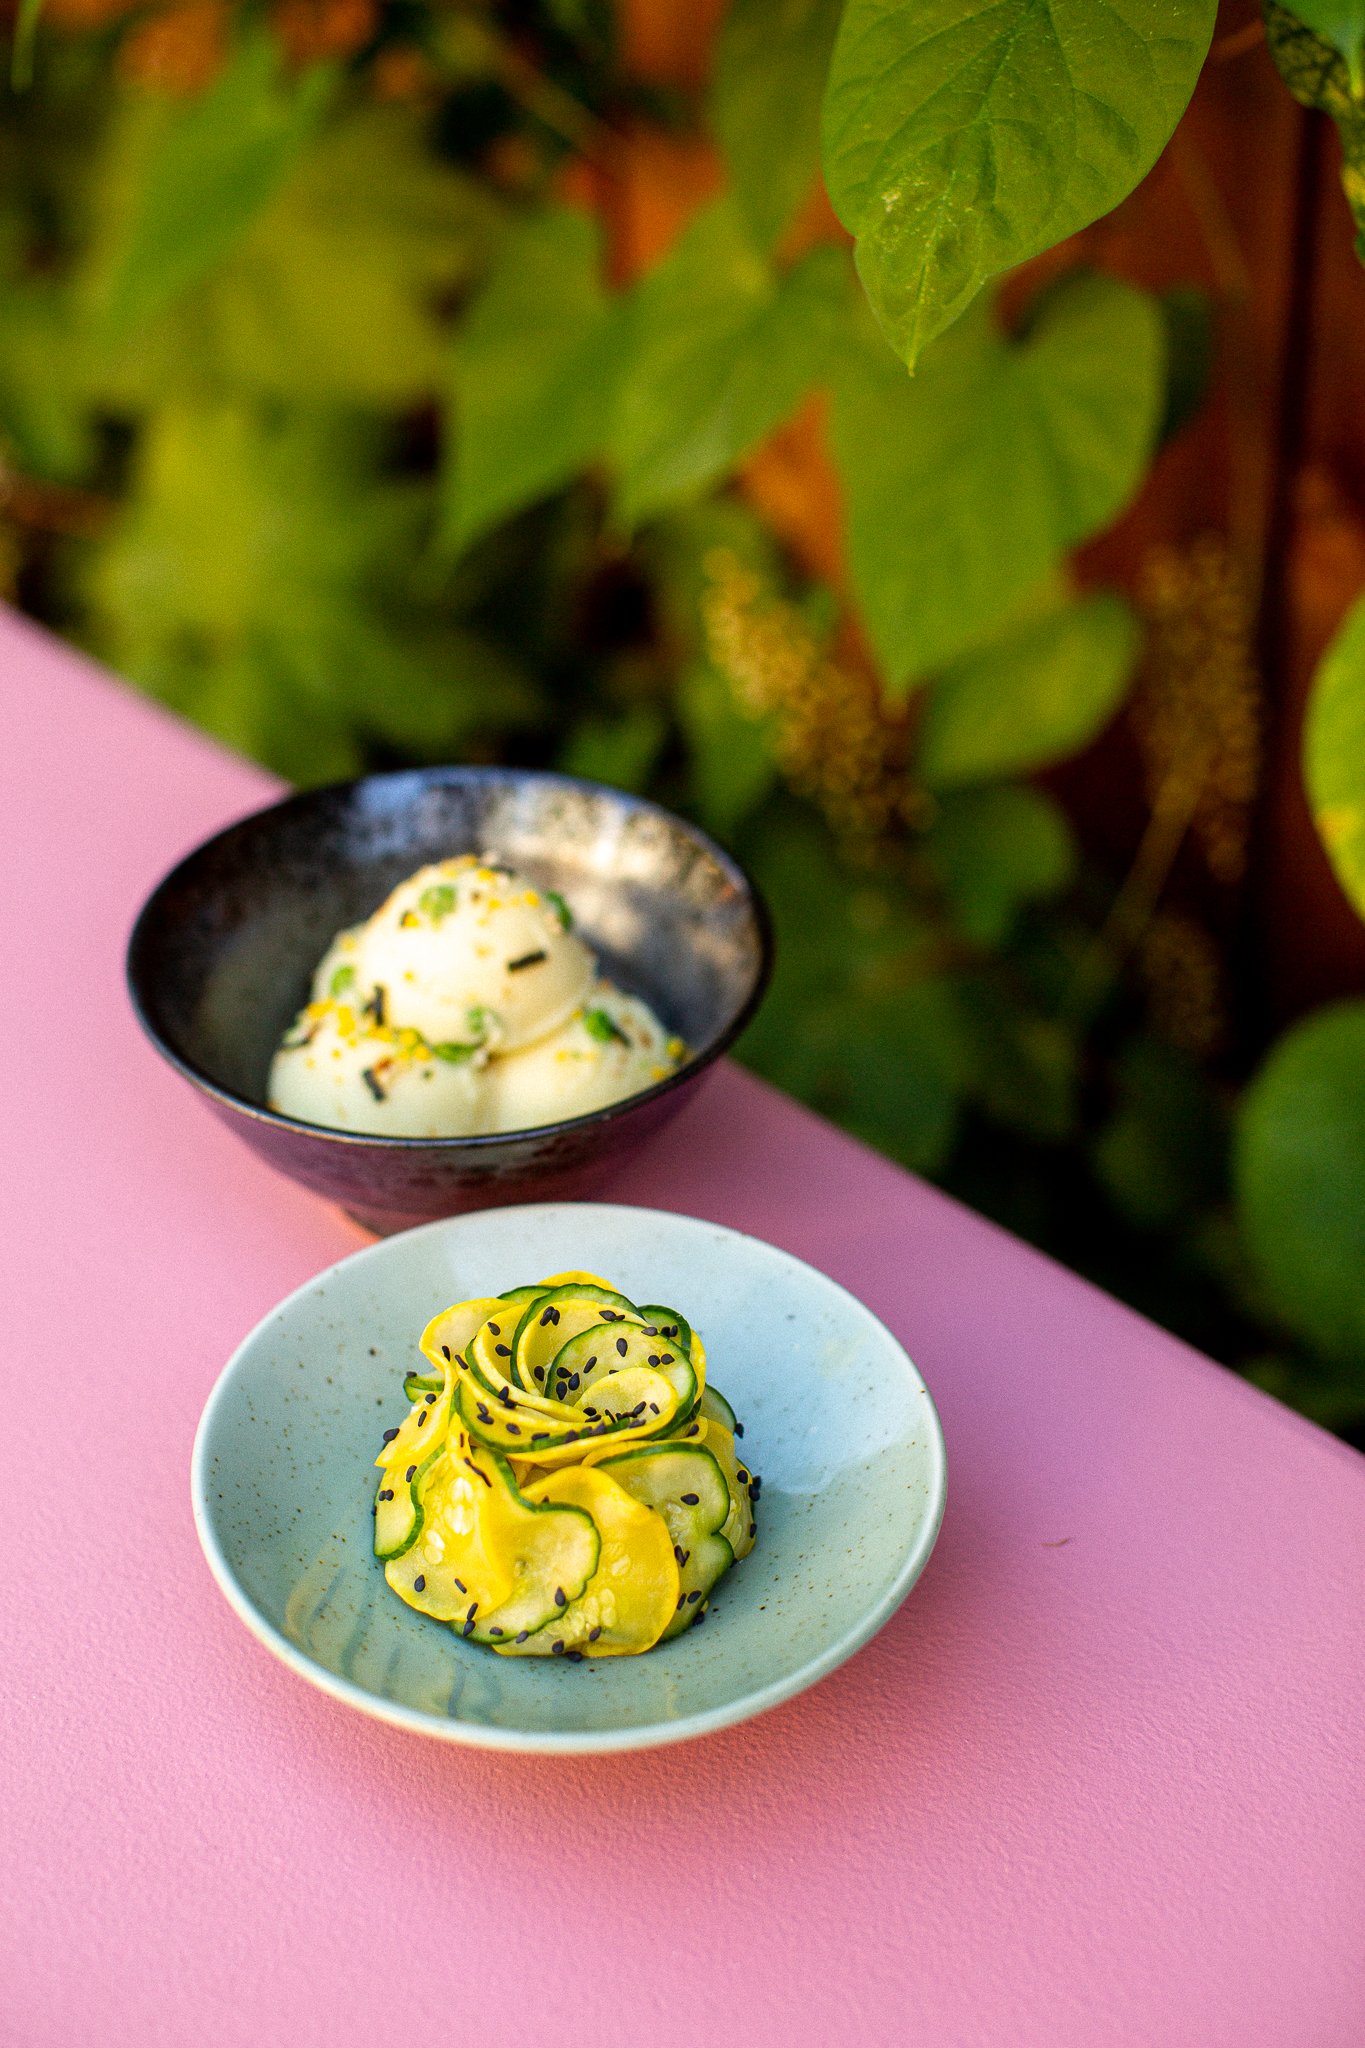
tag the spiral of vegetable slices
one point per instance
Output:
(565, 1483)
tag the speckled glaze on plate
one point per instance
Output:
(837, 1421)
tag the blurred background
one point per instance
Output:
(387, 381)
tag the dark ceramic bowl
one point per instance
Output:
(221, 957)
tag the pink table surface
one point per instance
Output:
(1098, 1782)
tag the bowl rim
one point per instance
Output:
(744, 1706)
(139, 940)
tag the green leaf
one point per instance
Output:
(25, 35)
(1188, 314)
(621, 751)
(1334, 754)
(1313, 68)
(1031, 698)
(862, 1030)
(996, 850)
(535, 374)
(771, 64)
(255, 583)
(216, 163)
(721, 351)
(335, 289)
(732, 762)
(1300, 1178)
(1022, 1066)
(963, 136)
(966, 485)
(1162, 1151)
(1342, 24)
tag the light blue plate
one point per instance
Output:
(837, 1421)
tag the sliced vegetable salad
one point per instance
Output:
(565, 1483)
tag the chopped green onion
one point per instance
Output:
(454, 1054)
(600, 1025)
(560, 908)
(341, 981)
(438, 901)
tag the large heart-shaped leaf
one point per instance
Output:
(962, 136)
(1300, 1177)
(966, 484)
(1334, 754)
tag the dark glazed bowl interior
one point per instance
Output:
(222, 954)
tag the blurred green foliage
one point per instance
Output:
(323, 418)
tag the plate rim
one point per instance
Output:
(556, 1742)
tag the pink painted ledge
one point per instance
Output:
(1098, 1783)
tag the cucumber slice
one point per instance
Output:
(669, 1325)
(686, 1486)
(398, 1506)
(548, 1322)
(451, 1332)
(451, 1563)
(581, 1367)
(415, 1384)
(740, 1526)
(715, 1408)
(550, 1550)
(525, 1433)
(403, 1460)
(633, 1594)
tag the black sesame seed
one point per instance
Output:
(574, 1656)
(622, 1346)
(503, 1350)
(389, 1435)
(445, 1352)
(653, 1407)
(690, 1500)
(411, 1472)
(557, 1649)
(540, 1372)
(421, 1418)
(548, 1317)
(681, 1598)
(419, 1584)
(495, 1631)
(521, 1638)
(649, 1329)
(590, 1363)
(527, 960)
(514, 1429)
(739, 1429)
(677, 1552)
(386, 1493)
(473, 1609)
(611, 1315)
(431, 1400)
(653, 1358)
(743, 1474)
(753, 1529)
(593, 1634)
(496, 1328)
(667, 1358)
(686, 1554)
(693, 1597)
(693, 1430)
(560, 1600)
(462, 1586)
(538, 1436)
(468, 1629)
